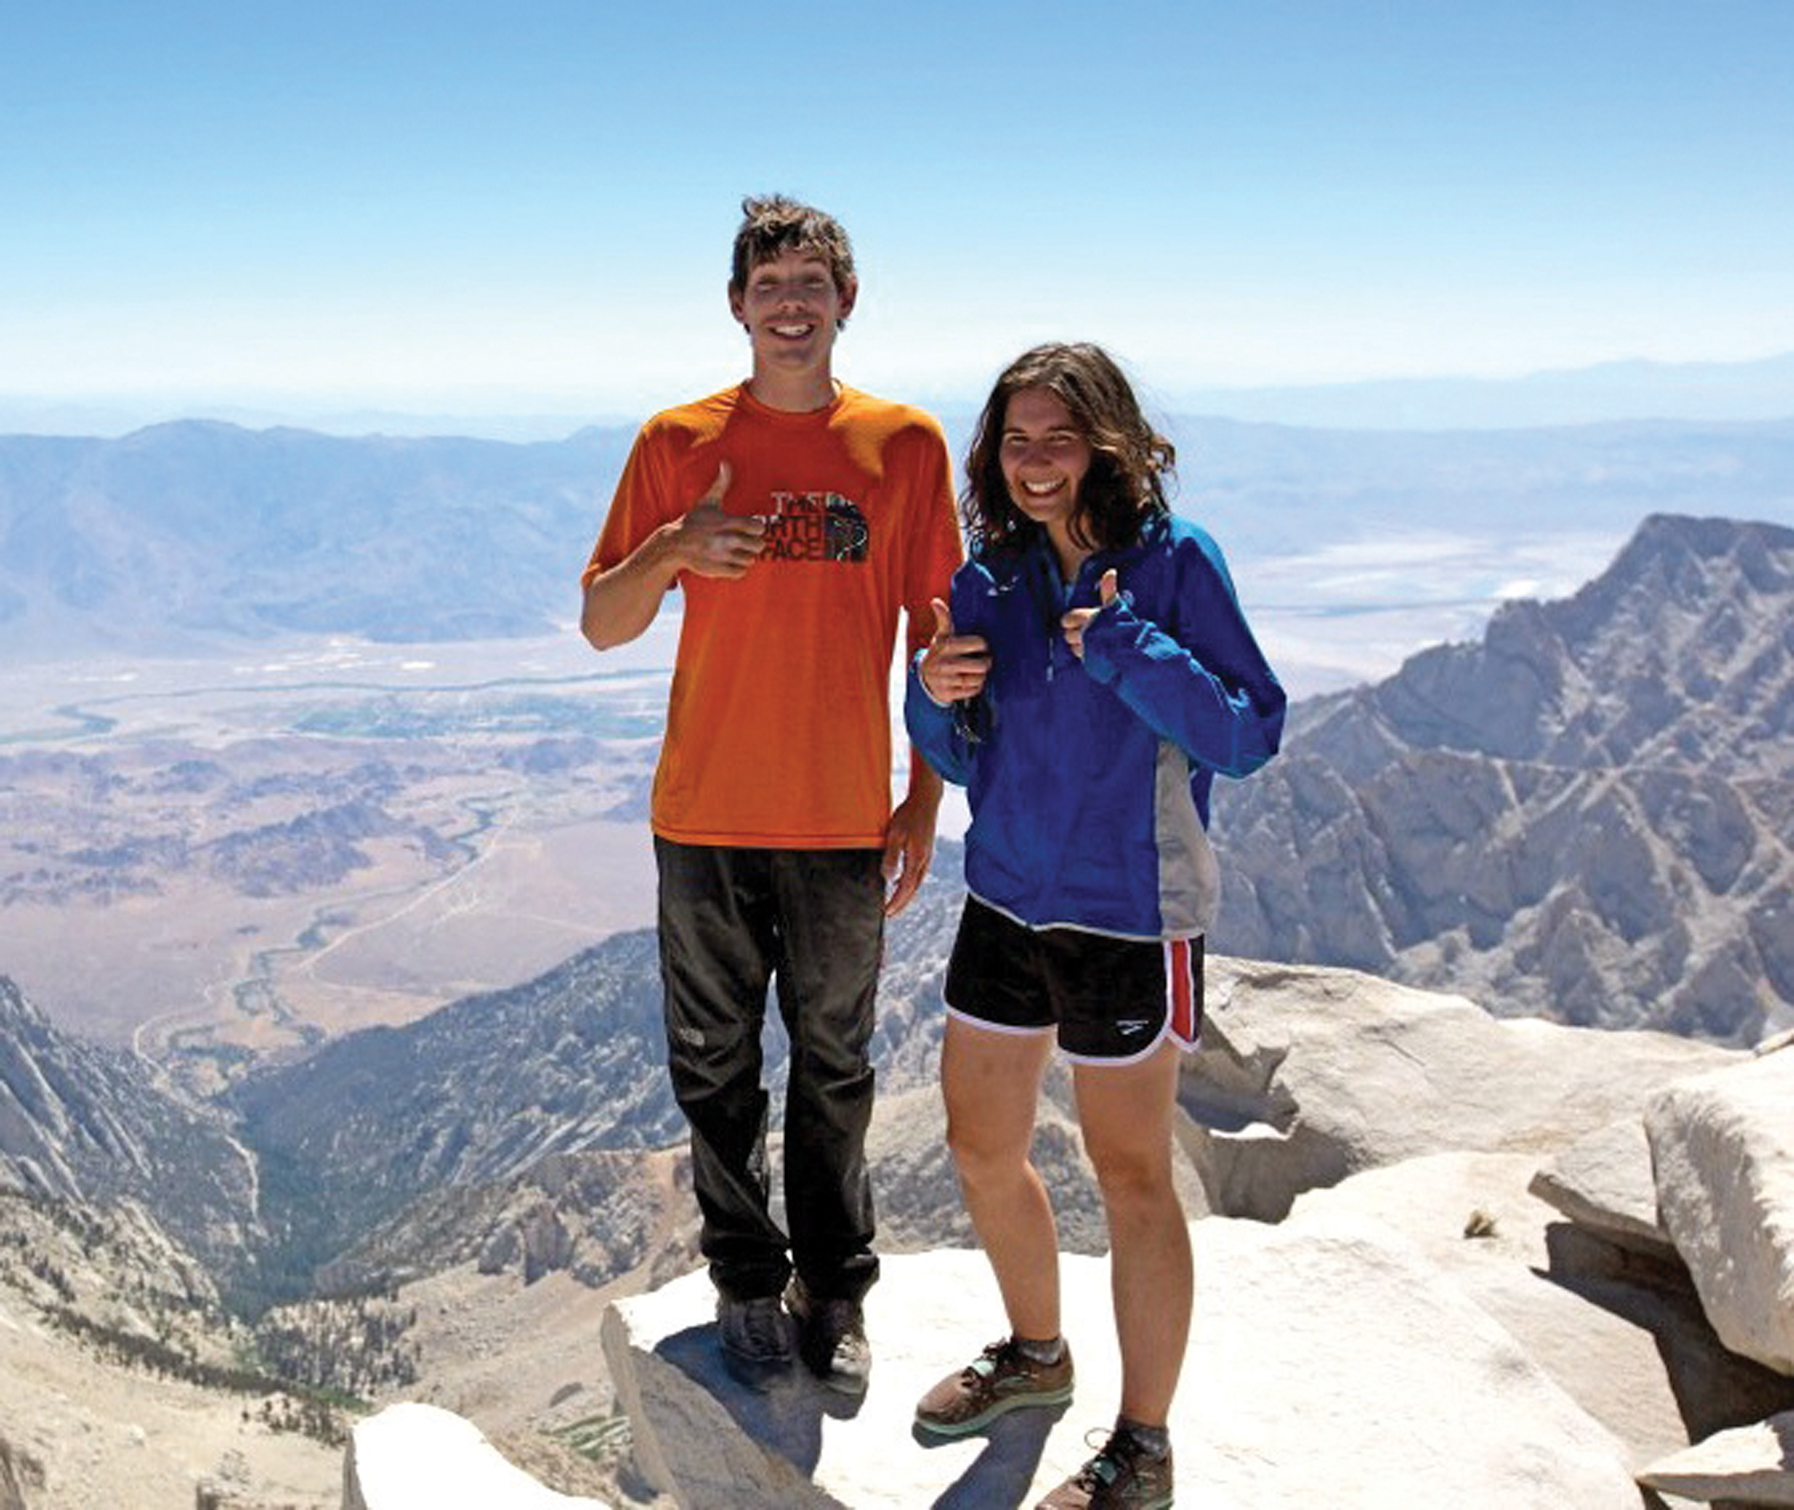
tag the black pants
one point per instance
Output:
(731, 920)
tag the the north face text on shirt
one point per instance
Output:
(816, 527)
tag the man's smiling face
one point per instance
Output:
(792, 310)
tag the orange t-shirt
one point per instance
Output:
(779, 726)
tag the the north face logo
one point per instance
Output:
(817, 527)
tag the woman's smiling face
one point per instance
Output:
(1044, 457)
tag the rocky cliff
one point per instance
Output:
(81, 1123)
(1583, 816)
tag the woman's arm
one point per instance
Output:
(1210, 692)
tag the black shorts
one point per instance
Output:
(1113, 1000)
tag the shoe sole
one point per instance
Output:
(990, 1413)
(1164, 1503)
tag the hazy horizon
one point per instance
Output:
(1741, 392)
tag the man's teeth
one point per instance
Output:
(791, 330)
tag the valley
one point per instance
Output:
(222, 859)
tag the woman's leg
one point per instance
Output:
(1125, 1113)
(991, 1083)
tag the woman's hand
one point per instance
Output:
(1073, 623)
(954, 665)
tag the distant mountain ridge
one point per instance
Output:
(198, 536)
(194, 532)
(1583, 816)
(1638, 388)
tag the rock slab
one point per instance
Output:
(1754, 1464)
(1309, 1075)
(1603, 1182)
(1332, 1365)
(1722, 1147)
(419, 1457)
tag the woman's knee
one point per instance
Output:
(982, 1153)
(1133, 1177)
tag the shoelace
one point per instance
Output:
(985, 1364)
(1117, 1453)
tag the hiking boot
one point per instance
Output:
(1120, 1477)
(831, 1338)
(1001, 1378)
(754, 1331)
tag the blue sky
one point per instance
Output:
(470, 205)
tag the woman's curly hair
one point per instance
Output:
(1129, 460)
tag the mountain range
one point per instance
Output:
(195, 535)
(1583, 816)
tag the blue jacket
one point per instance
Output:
(1089, 780)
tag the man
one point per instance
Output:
(798, 515)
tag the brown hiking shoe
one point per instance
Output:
(1001, 1378)
(831, 1338)
(1120, 1477)
(754, 1331)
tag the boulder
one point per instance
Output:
(1603, 1182)
(1722, 1145)
(1622, 1335)
(420, 1457)
(1749, 1464)
(1331, 1363)
(1309, 1074)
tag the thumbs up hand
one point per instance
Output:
(954, 665)
(1073, 623)
(715, 544)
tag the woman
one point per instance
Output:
(1090, 676)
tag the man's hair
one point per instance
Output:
(775, 224)
(1129, 460)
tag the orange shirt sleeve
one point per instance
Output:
(644, 500)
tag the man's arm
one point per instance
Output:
(935, 553)
(909, 839)
(621, 601)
